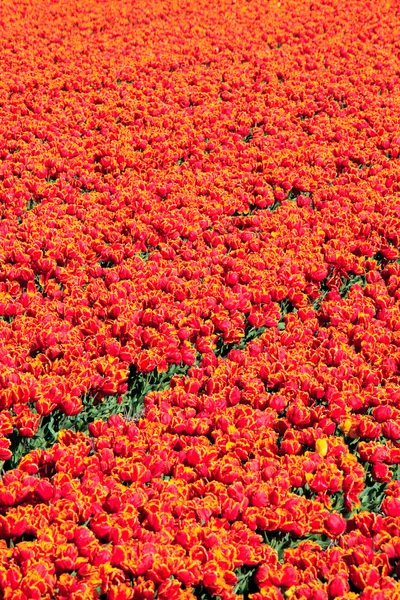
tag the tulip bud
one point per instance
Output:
(335, 525)
(338, 587)
(321, 447)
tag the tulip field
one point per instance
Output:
(199, 300)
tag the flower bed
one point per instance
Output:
(199, 300)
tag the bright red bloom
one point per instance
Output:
(335, 525)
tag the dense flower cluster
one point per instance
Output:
(139, 510)
(214, 185)
(132, 195)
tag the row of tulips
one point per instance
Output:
(137, 511)
(137, 199)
